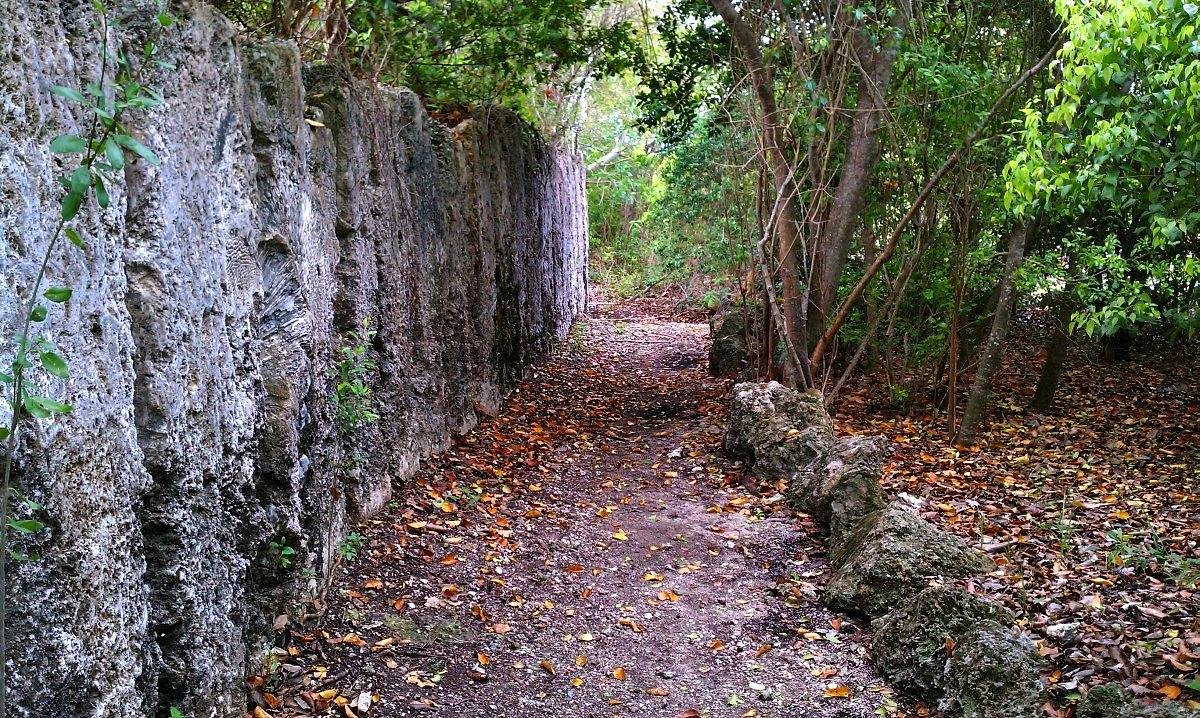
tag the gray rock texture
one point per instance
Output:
(1110, 700)
(912, 643)
(891, 556)
(993, 672)
(728, 351)
(844, 487)
(210, 304)
(777, 431)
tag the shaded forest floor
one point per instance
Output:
(1092, 509)
(591, 552)
(588, 553)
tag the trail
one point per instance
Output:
(590, 552)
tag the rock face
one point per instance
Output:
(844, 488)
(891, 556)
(209, 308)
(993, 673)
(1110, 700)
(911, 644)
(728, 351)
(777, 431)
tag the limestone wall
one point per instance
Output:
(209, 307)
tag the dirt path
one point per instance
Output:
(588, 553)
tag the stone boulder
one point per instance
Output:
(1110, 700)
(993, 672)
(729, 350)
(891, 556)
(777, 431)
(911, 645)
(843, 488)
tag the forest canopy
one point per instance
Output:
(882, 185)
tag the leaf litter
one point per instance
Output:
(589, 552)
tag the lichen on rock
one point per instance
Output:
(993, 672)
(845, 487)
(912, 643)
(891, 556)
(777, 431)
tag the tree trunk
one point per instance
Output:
(862, 154)
(774, 144)
(1056, 354)
(989, 358)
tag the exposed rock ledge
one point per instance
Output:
(209, 307)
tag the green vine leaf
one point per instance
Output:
(42, 407)
(113, 152)
(74, 237)
(55, 364)
(137, 148)
(68, 145)
(58, 295)
(38, 314)
(67, 93)
(26, 526)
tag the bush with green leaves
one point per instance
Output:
(352, 393)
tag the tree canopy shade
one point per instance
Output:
(451, 51)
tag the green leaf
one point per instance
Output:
(113, 152)
(70, 205)
(67, 144)
(101, 192)
(42, 407)
(38, 314)
(165, 19)
(67, 93)
(58, 294)
(26, 526)
(74, 237)
(3, 433)
(80, 180)
(137, 148)
(55, 364)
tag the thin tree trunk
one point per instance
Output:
(774, 144)
(1056, 354)
(893, 240)
(989, 358)
(862, 154)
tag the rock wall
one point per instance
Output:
(210, 304)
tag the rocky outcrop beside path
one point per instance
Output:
(932, 637)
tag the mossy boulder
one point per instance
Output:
(1110, 700)
(912, 644)
(844, 488)
(993, 672)
(777, 431)
(891, 556)
(729, 351)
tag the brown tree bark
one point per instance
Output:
(1056, 355)
(893, 240)
(990, 353)
(862, 154)
(774, 144)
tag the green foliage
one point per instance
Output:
(352, 394)
(350, 546)
(282, 552)
(1112, 158)
(682, 214)
(449, 51)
